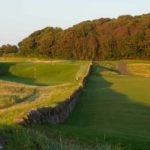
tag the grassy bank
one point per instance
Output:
(113, 108)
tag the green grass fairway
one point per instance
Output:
(39, 73)
(113, 108)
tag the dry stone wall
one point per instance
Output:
(61, 112)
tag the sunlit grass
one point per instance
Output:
(140, 69)
(20, 91)
(113, 108)
(61, 80)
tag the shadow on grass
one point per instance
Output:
(105, 115)
(6, 75)
(18, 138)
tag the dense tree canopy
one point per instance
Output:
(40, 42)
(124, 37)
(8, 49)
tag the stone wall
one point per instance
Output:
(59, 113)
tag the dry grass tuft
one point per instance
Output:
(140, 69)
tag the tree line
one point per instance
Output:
(105, 38)
(8, 50)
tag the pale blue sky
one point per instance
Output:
(18, 18)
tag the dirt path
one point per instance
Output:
(122, 68)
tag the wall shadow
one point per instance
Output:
(106, 115)
(6, 75)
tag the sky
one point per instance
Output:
(19, 18)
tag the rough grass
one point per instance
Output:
(29, 59)
(139, 69)
(27, 139)
(12, 93)
(112, 108)
(24, 86)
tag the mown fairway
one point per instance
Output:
(39, 73)
(112, 108)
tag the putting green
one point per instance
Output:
(39, 73)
